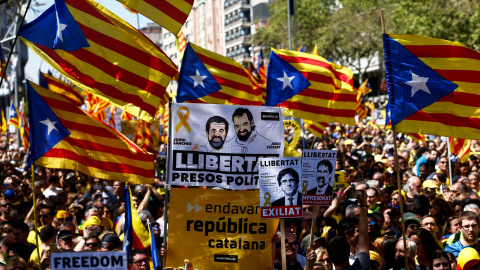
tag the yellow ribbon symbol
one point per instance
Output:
(183, 119)
(304, 187)
(290, 147)
(267, 202)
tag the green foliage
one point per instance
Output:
(349, 30)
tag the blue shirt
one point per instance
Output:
(456, 247)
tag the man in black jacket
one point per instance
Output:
(288, 181)
(324, 178)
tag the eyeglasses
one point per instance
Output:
(107, 212)
(429, 224)
(140, 262)
(394, 199)
(91, 244)
(7, 204)
(413, 226)
(43, 216)
(443, 162)
(307, 208)
(419, 186)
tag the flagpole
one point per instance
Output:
(399, 184)
(289, 26)
(35, 214)
(167, 186)
(449, 163)
(14, 43)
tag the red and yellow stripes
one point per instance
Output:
(170, 14)
(460, 147)
(238, 86)
(455, 115)
(93, 147)
(121, 64)
(330, 96)
(181, 42)
(25, 130)
(144, 137)
(65, 90)
(317, 128)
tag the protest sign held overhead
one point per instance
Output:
(219, 145)
(280, 187)
(318, 169)
(218, 229)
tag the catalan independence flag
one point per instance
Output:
(64, 136)
(460, 147)
(65, 90)
(144, 137)
(170, 14)
(102, 54)
(365, 88)
(310, 87)
(207, 77)
(261, 66)
(135, 234)
(13, 116)
(432, 86)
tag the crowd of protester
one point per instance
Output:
(362, 229)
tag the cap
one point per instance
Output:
(9, 194)
(64, 234)
(348, 142)
(62, 214)
(92, 221)
(410, 216)
(429, 184)
(374, 256)
(306, 241)
(110, 237)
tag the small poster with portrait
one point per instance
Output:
(318, 170)
(280, 187)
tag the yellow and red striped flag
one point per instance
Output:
(207, 77)
(24, 129)
(310, 87)
(63, 136)
(96, 107)
(4, 123)
(65, 90)
(432, 86)
(170, 14)
(111, 120)
(102, 54)
(3, 64)
(144, 137)
(317, 128)
(181, 43)
(315, 50)
(460, 147)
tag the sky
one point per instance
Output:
(35, 63)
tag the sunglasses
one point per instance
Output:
(413, 226)
(91, 244)
(43, 216)
(7, 204)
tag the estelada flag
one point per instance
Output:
(135, 235)
(432, 86)
(310, 87)
(170, 14)
(317, 128)
(63, 89)
(63, 136)
(13, 116)
(102, 54)
(207, 77)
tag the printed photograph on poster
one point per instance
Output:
(318, 170)
(280, 188)
(219, 145)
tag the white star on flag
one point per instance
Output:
(50, 125)
(61, 27)
(287, 81)
(418, 83)
(197, 79)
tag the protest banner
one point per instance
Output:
(218, 229)
(106, 260)
(219, 145)
(279, 187)
(318, 169)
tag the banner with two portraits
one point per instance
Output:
(219, 145)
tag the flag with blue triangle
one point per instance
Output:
(310, 87)
(431, 86)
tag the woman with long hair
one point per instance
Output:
(426, 245)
